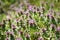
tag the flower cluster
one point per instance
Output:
(30, 22)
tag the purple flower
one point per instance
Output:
(27, 13)
(52, 25)
(30, 7)
(27, 35)
(43, 29)
(17, 10)
(40, 38)
(7, 38)
(11, 33)
(21, 32)
(58, 29)
(50, 16)
(37, 33)
(31, 21)
(13, 26)
(17, 20)
(7, 33)
(19, 38)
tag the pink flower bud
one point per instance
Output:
(7, 38)
(27, 36)
(58, 29)
(30, 7)
(31, 21)
(13, 26)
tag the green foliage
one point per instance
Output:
(35, 2)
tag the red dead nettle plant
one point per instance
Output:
(31, 22)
